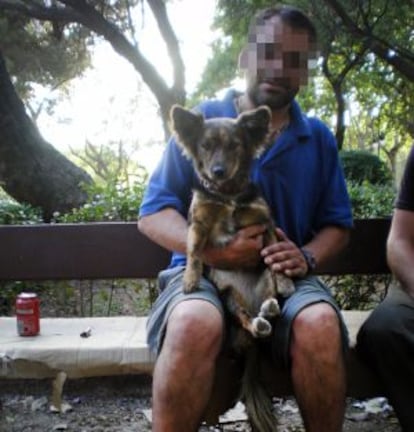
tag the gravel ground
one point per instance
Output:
(118, 404)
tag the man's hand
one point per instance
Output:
(243, 251)
(285, 257)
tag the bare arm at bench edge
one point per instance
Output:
(169, 228)
(285, 256)
(400, 249)
(166, 228)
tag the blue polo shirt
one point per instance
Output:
(300, 177)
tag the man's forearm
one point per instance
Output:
(400, 255)
(328, 243)
(168, 228)
(400, 249)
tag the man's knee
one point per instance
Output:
(196, 324)
(317, 319)
(316, 331)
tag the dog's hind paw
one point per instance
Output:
(269, 308)
(261, 327)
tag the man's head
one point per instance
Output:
(280, 51)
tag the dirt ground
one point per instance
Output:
(119, 404)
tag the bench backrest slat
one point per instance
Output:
(366, 251)
(78, 251)
(119, 250)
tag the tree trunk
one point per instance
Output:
(31, 169)
(336, 84)
(340, 115)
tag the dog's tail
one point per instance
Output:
(258, 403)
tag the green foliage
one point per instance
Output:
(109, 200)
(372, 195)
(360, 292)
(112, 201)
(10, 290)
(81, 298)
(371, 201)
(364, 292)
(14, 213)
(369, 184)
(361, 166)
(42, 52)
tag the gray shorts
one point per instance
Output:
(308, 291)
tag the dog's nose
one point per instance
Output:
(218, 171)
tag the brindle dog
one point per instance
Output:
(222, 151)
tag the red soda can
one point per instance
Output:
(27, 314)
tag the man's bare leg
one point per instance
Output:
(185, 368)
(318, 370)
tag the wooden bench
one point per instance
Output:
(117, 344)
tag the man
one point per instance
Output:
(386, 340)
(302, 181)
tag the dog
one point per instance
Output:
(222, 151)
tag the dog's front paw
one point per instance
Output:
(261, 327)
(284, 285)
(269, 308)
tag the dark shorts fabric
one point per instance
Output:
(309, 291)
(171, 293)
(386, 344)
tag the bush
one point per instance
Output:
(110, 202)
(363, 166)
(371, 201)
(364, 291)
(361, 292)
(14, 213)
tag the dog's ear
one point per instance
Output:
(256, 124)
(187, 126)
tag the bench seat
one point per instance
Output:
(117, 346)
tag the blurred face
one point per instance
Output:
(276, 63)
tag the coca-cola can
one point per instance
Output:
(27, 314)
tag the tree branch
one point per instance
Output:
(79, 11)
(95, 21)
(159, 10)
(402, 61)
(43, 13)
